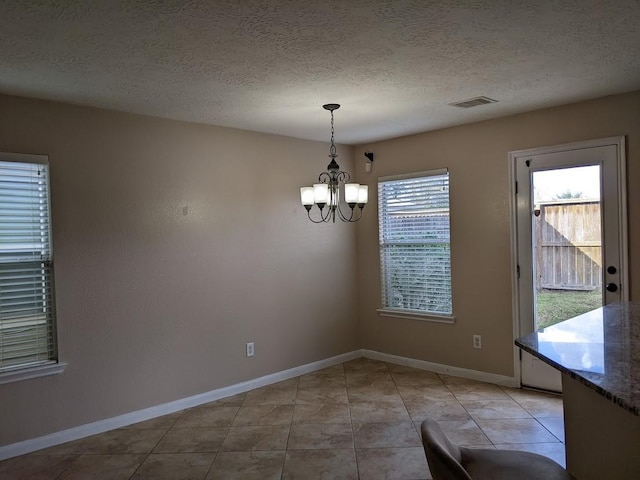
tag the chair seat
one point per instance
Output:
(448, 461)
(486, 464)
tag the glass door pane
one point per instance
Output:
(567, 243)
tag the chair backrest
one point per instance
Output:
(443, 456)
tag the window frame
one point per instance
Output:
(390, 311)
(52, 365)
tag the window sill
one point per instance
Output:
(32, 372)
(414, 315)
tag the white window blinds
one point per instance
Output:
(27, 324)
(415, 243)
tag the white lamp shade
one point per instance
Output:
(320, 192)
(306, 195)
(351, 192)
(363, 194)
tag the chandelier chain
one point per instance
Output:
(332, 148)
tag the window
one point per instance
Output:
(415, 251)
(27, 313)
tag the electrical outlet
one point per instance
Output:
(477, 341)
(250, 349)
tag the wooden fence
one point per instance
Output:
(568, 246)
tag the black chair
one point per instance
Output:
(451, 462)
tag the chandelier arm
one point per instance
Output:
(360, 214)
(324, 218)
(343, 177)
(325, 215)
(351, 218)
(312, 220)
(343, 217)
(329, 214)
(324, 177)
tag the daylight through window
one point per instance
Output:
(415, 251)
(27, 323)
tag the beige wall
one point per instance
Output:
(175, 244)
(476, 155)
(163, 273)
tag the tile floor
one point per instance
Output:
(357, 420)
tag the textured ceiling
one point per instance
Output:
(269, 65)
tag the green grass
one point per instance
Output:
(557, 305)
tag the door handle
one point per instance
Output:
(612, 287)
(611, 270)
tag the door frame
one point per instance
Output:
(620, 144)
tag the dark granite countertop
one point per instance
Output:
(600, 349)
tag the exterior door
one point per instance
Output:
(570, 239)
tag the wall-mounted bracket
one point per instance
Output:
(367, 166)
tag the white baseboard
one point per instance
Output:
(444, 369)
(101, 426)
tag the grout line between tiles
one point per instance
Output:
(365, 369)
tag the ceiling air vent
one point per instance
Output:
(473, 102)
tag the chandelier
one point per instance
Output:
(325, 193)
